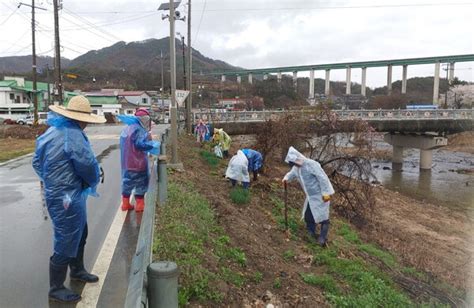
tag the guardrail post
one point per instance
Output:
(162, 284)
(162, 179)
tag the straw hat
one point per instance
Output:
(78, 109)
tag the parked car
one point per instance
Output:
(8, 122)
(29, 119)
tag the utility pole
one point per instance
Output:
(189, 100)
(33, 56)
(33, 39)
(49, 90)
(184, 60)
(162, 80)
(173, 107)
(57, 59)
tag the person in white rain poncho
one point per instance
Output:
(318, 190)
(237, 171)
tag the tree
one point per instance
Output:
(320, 136)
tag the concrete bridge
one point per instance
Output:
(348, 66)
(421, 129)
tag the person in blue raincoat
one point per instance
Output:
(318, 190)
(255, 159)
(135, 143)
(70, 172)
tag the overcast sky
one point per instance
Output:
(262, 33)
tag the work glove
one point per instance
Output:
(326, 198)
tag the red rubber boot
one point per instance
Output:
(126, 206)
(140, 204)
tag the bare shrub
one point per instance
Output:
(343, 148)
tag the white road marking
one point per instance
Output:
(91, 291)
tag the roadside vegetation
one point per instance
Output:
(13, 148)
(231, 254)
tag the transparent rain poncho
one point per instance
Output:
(238, 168)
(255, 159)
(135, 143)
(314, 182)
(70, 172)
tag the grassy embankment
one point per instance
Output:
(13, 148)
(349, 273)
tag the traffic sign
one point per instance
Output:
(181, 96)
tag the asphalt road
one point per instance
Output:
(26, 237)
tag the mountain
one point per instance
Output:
(134, 65)
(142, 56)
(22, 64)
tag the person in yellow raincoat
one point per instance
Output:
(222, 139)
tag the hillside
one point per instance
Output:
(134, 65)
(22, 64)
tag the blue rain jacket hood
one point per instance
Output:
(70, 172)
(255, 159)
(314, 182)
(135, 143)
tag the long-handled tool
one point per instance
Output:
(286, 209)
(43, 201)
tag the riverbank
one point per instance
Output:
(260, 265)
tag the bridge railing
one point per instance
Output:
(367, 115)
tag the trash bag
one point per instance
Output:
(70, 172)
(218, 151)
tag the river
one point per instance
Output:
(442, 185)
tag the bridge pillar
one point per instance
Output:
(426, 159)
(265, 76)
(279, 77)
(223, 78)
(404, 79)
(250, 78)
(311, 84)
(426, 143)
(239, 79)
(348, 80)
(451, 72)
(327, 85)
(389, 79)
(397, 158)
(436, 84)
(363, 81)
(295, 81)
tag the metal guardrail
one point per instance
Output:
(367, 115)
(137, 283)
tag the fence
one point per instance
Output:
(368, 115)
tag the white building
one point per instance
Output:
(14, 102)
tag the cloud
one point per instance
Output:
(262, 33)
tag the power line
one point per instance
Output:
(337, 7)
(9, 16)
(200, 21)
(91, 24)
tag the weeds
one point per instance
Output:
(210, 158)
(257, 277)
(230, 276)
(239, 195)
(185, 231)
(277, 283)
(288, 255)
(325, 282)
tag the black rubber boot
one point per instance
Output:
(57, 291)
(323, 237)
(78, 272)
